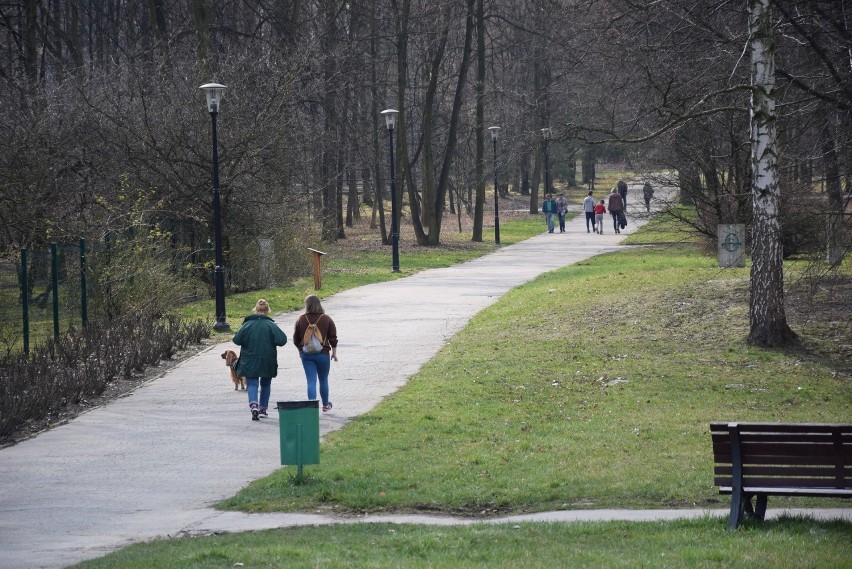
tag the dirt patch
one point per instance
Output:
(821, 313)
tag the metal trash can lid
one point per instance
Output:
(298, 404)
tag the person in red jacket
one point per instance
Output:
(600, 210)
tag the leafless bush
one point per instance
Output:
(81, 364)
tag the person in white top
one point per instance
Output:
(589, 208)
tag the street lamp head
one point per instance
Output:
(390, 117)
(495, 132)
(545, 132)
(214, 95)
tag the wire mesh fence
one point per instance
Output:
(43, 293)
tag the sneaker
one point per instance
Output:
(262, 414)
(327, 407)
(255, 414)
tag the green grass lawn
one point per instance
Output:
(684, 544)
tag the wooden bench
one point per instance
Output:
(756, 460)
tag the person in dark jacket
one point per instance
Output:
(648, 193)
(317, 365)
(616, 208)
(259, 336)
(622, 190)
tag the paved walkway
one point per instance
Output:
(151, 464)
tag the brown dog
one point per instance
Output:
(230, 357)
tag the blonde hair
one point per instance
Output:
(313, 305)
(262, 307)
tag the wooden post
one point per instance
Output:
(317, 268)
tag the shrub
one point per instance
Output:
(82, 364)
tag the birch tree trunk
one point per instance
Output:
(767, 319)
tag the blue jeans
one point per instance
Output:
(316, 367)
(590, 217)
(265, 390)
(550, 223)
(561, 221)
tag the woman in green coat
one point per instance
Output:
(258, 338)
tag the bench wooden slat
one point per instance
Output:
(792, 460)
(827, 438)
(821, 493)
(782, 482)
(843, 428)
(815, 451)
(774, 470)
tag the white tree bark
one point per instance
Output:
(767, 318)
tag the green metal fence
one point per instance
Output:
(46, 292)
(42, 294)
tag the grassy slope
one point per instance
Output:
(593, 386)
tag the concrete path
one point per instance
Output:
(151, 464)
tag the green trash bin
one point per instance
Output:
(298, 424)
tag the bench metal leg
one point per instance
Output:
(741, 508)
(760, 507)
(738, 502)
(748, 509)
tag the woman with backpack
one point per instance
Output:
(315, 337)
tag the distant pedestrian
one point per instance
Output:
(259, 336)
(316, 365)
(589, 208)
(622, 190)
(647, 193)
(616, 208)
(561, 209)
(600, 210)
(549, 209)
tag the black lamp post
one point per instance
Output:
(495, 132)
(214, 95)
(545, 132)
(390, 121)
